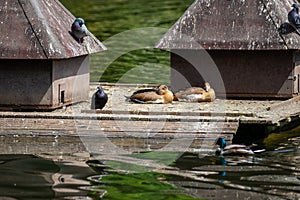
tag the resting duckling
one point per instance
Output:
(160, 94)
(196, 94)
(234, 149)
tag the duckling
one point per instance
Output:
(234, 149)
(196, 94)
(160, 94)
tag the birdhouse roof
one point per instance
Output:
(39, 29)
(232, 24)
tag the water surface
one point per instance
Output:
(274, 174)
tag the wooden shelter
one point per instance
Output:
(242, 39)
(41, 65)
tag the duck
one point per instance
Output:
(234, 149)
(159, 95)
(196, 94)
(99, 98)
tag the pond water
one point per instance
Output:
(274, 174)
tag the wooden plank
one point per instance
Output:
(145, 131)
(147, 144)
(166, 125)
(160, 136)
(283, 104)
(284, 111)
(172, 113)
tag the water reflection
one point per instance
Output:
(274, 174)
(270, 175)
(18, 176)
(33, 177)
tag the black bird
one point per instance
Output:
(294, 22)
(293, 16)
(99, 99)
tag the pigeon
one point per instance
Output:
(293, 16)
(286, 28)
(78, 30)
(99, 99)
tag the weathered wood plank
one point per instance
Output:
(172, 113)
(283, 104)
(35, 125)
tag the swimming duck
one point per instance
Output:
(196, 94)
(99, 99)
(160, 94)
(234, 149)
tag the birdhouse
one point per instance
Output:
(241, 39)
(42, 66)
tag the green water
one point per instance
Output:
(144, 186)
(273, 174)
(115, 23)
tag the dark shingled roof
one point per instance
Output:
(232, 24)
(39, 29)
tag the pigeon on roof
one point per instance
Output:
(293, 16)
(79, 30)
(235, 25)
(41, 30)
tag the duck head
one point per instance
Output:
(162, 89)
(206, 86)
(221, 142)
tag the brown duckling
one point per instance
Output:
(196, 94)
(160, 94)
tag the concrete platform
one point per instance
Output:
(140, 127)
